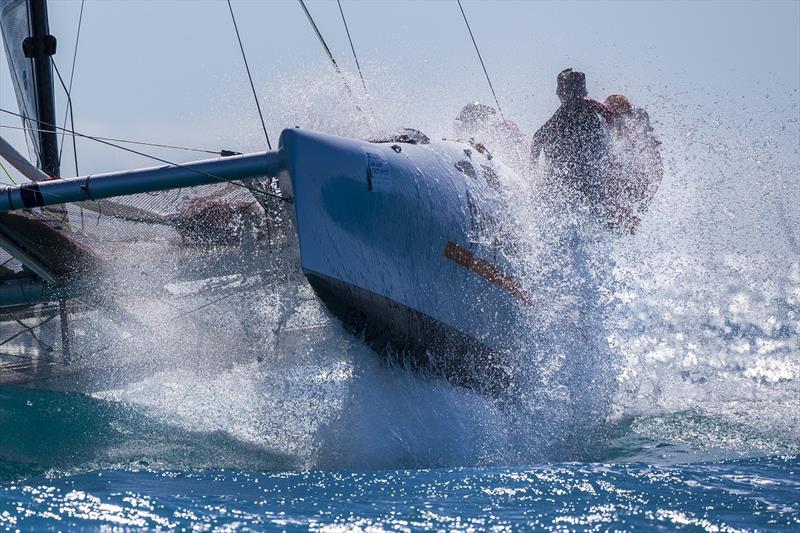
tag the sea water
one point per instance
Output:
(737, 495)
(667, 398)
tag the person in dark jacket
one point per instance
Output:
(575, 140)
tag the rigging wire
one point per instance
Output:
(71, 78)
(319, 36)
(165, 161)
(223, 153)
(249, 76)
(167, 321)
(7, 173)
(71, 120)
(28, 328)
(74, 144)
(327, 50)
(475, 44)
(355, 56)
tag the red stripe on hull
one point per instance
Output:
(491, 273)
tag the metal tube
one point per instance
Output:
(24, 292)
(53, 192)
(18, 161)
(25, 258)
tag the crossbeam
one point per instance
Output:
(29, 291)
(124, 183)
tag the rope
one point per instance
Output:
(496, 101)
(165, 161)
(361, 75)
(223, 153)
(71, 78)
(247, 67)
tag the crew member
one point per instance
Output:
(637, 168)
(618, 113)
(575, 140)
(482, 125)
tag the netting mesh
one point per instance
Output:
(152, 248)
(150, 216)
(218, 230)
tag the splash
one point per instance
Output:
(680, 337)
(313, 392)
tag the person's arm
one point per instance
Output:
(600, 109)
(537, 143)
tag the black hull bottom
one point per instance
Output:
(407, 336)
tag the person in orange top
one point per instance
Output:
(636, 169)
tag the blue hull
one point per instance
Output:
(391, 239)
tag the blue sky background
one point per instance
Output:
(721, 73)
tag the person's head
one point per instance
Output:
(618, 104)
(473, 118)
(571, 85)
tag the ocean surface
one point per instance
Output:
(692, 423)
(665, 396)
(740, 495)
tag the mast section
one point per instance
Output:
(39, 47)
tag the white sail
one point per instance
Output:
(15, 28)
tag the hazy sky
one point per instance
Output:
(720, 79)
(171, 71)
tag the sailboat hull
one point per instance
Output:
(389, 240)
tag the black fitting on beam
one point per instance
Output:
(29, 46)
(31, 196)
